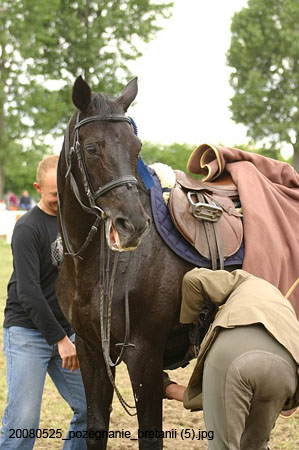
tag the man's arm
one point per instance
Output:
(30, 295)
(27, 267)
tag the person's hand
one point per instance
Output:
(68, 354)
(175, 391)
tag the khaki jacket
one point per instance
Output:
(244, 299)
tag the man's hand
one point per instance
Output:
(68, 354)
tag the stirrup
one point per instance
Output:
(205, 211)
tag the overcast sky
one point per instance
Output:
(183, 78)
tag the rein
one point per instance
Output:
(106, 295)
(101, 223)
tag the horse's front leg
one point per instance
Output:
(145, 370)
(99, 394)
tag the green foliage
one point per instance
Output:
(20, 168)
(174, 155)
(177, 155)
(96, 37)
(264, 151)
(44, 45)
(264, 55)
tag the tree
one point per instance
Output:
(264, 55)
(44, 45)
(177, 155)
(174, 155)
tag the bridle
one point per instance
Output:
(75, 153)
(72, 154)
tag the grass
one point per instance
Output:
(56, 413)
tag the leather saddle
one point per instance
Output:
(206, 215)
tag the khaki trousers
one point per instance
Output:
(248, 377)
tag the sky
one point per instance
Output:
(183, 78)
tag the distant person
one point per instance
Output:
(12, 201)
(25, 201)
(37, 337)
(247, 369)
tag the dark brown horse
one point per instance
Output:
(98, 182)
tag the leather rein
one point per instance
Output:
(72, 154)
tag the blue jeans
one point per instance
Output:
(28, 359)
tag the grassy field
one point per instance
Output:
(56, 413)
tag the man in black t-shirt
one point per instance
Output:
(37, 337)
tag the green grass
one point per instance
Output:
(56, 413)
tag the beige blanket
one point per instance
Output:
(269, 194)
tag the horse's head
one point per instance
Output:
(107, 150)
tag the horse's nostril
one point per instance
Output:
(124, 224)
(125, 227)
(147, 226)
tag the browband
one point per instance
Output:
(109, 118)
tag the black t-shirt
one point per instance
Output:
(32, 301)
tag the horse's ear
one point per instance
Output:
(81, 94)
(128, 94)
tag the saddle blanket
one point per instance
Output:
(269, 194)
(170, 235)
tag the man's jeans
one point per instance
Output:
(28, 359)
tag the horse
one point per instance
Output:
(98, 184)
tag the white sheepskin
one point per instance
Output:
(166, 176)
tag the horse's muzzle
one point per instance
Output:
(123, 235)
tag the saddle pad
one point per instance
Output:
(173, 239)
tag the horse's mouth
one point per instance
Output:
(113, 238)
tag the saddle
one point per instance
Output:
(205, 214)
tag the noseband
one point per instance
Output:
(75, 153)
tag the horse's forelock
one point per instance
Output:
(102, 105)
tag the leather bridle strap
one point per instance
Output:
(109, 118)
(106, 295)
(91, 194)
(76, 152)
(127, 179)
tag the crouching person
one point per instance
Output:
(247, 369)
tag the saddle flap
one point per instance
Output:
(223, 185)
(229, 226)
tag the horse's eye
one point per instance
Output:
(91, 149)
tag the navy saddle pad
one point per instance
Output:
(174, 239)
